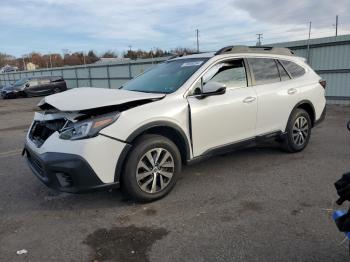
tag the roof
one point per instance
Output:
(240, 49)
(255, 50)
(199, 55)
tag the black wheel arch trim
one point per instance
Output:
(301, 103)
(143, 129)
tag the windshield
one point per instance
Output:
(166, 77)
(20, 82)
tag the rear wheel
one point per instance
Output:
(151, 168)
(298, 131)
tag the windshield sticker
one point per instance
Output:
(197, 63)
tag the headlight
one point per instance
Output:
(88, 128)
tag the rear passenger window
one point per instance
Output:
(264, 70)
(293, 69)
(283, 74)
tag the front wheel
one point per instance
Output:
(56, 90)
(298, 131)
(151, 168)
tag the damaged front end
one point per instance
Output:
(81, 113)
(70, 126)
(76, 125)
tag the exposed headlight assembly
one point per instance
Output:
(88, 128)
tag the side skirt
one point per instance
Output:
(220, 150)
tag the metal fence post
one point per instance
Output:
(108, 78)
(76, 76)
(90, 81)
(130, 75)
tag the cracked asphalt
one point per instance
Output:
(256, 204)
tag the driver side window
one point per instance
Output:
(230, 73)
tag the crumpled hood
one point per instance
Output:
(84, 98)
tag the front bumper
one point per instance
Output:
(65, 172)
(9, 94)
(79, 165)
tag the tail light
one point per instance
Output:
(323, 83)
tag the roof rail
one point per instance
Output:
(255, 49)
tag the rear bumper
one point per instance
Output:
(65, 172)
(322, 117)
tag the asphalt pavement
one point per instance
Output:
(256, 204)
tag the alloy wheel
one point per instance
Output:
(300, 130)
(155, 170)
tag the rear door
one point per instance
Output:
(277, 94)
(224, 119)
(40, 86)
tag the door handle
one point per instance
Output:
(291, 91)
(249, 99)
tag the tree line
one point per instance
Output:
(81, 58)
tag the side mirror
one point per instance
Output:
(27, 85)
(213, 88)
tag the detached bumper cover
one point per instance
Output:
(65, 172)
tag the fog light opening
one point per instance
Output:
(64, 179)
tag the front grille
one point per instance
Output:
(43, 130)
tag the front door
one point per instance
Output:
(225, 119)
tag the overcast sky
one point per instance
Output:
(55, 25)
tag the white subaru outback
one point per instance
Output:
(181, 111)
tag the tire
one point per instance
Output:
(298, 131)
(56, 90)
(139, 172)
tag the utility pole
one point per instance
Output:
(259, 39)
(197, 34)
(336, 25)
(308, 44)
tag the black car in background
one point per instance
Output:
(34, 86)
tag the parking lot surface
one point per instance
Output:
(257, 204)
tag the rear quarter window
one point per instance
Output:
(283, 74)
(293, 69)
